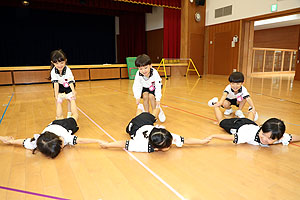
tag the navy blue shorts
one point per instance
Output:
(147, 90)
(142, 119)
(232, 125)
(68, 123)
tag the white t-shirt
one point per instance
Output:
(66, 76)
(242, 92)
(141, 81)
(140, 142)
(248, 133)
(58, 130)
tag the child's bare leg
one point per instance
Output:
(242, 104)
(155, 112)
(218, 114)
(74, 109)
(226, 104)
(152, 101)
(59, 110)
(146, 101)
(69, 106)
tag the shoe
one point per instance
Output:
(228, 111)
(256, 114)
(161, 115)
(141, 107)
(212, 102)
(69, 114)
(239, 114)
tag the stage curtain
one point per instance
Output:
(162, 3)
(172, 24)
(132, 35)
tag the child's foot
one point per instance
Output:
(228, 111)
(239, 114)
(212, 102)
(161, 115)
(255, 116)
(141, 107)
(69, 114)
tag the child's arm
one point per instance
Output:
(56, 88)
(11, 140)
(192, 141)
(219, 103)
(221, 137)
(250, 102)
(73, 89)
(137, 88)
(295, 138)
(116, 144)
(89, 140)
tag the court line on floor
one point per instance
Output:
(6, 108)
(31, 193)
(135, 158)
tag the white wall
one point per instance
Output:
(155, 20)
(245, 8)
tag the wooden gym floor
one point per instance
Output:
(218, 170)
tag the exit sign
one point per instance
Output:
(274, 8)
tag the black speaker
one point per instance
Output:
(200, 2)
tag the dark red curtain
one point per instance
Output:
(132, 35)
(172, 23)
(163, 3)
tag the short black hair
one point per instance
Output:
(160, 138)
(236, 77)
(49, 144)
(275, 126)
(142, 60)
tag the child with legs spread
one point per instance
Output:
(245, 130)
(54, 137)
(145, 137)
(63, 81)
(235, 94)
(147, 85)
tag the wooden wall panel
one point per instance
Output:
(155, 39)
(40, 76)
(124, 72)
(229, 30)
(106, 73)
(5, 78)
(81, 74)
(192, 37)
(281, 38)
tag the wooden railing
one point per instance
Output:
(269, 60)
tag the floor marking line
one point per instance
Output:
(31, 193)
(136, 159)
(6, 108)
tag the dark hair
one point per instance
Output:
(49, 144)
(160, 138)
(56, 56)
(142, 60)
(236, 77)
(275, 126)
